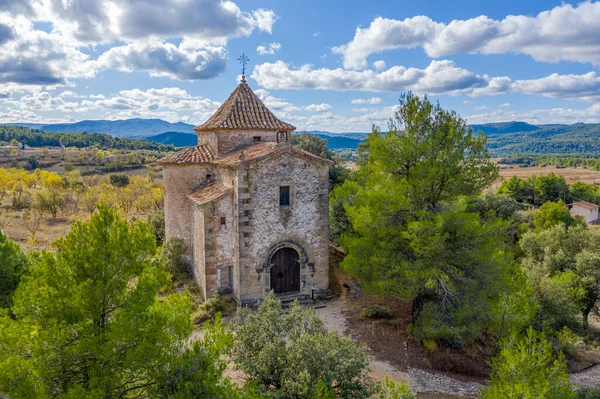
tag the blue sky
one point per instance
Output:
(321, 65)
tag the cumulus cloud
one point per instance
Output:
(562, 33)
(318, 107)
(537, 116)
(505, 105)
(379, 65)
(165, 59)
(271, 49)
(582, 87)
(372, 100)
(105, 21)
(440, 77)
(274, 103)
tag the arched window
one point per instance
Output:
(282, 136)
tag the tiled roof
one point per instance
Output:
(197, 154)
(260, 151)
(209, 193)
(244, 110)
(586, 205)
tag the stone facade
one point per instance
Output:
(224, 199)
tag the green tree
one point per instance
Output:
(13, 265)
(563, 266)
(119, 180)
(520, 190)
(551, 187)
(581, 191)
(291, 354)
(89, 322)
(411, 237)
(552, 213)
(527, 368)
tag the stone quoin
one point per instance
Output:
(252, 209)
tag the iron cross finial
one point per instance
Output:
(243, 59)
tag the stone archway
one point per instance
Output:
(286, 268)
(285, 272)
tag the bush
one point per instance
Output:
(206, 310)
(68, 166)
(588, 393)
(390, 389)
(527, 368)
(376, 312)
(157, 222)
(174, 252)
(119, 180)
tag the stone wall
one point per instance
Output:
(230, 140)
(265, 226)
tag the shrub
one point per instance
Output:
(206, 310)
(119, 180)
(588, 393)
(157, 222)
(390, 389)
(430, 345)
(173, 254)
(68, 166)
(376, 312)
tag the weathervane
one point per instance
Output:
(243, 59)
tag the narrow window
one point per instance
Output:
(223, 222)
(284, 196)
(256, 138)
(282, 136)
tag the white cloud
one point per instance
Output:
(563, 33)
(318, 107)
(271, 49)
(160, 58)
(580, 87)
(372, 100)
(540, 116)
(274, 103)
(379, 65)
(481, 108)
(505, 105)
(440, 77)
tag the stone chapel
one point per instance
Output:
(252, 209)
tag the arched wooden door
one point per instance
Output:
(285, 273)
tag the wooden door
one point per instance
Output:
(285, 273)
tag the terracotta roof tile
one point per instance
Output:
(244, 110)
(209, 193)
(586, 205)
(190, 155)
(259, 151)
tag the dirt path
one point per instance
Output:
(588, 378)
(428, 384)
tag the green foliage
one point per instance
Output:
(13, 265)
(553, 213)
(536, 189)
(174, 256)
(119, 180)
(390, 389)
(292, 355)
(376, 312)
(88, 322)
(563, 266)
(340, 198)
(527, 368)
(495, 206)
(411, 237)
(581, 191)
(588, 393)
(68, 166)
(156, 221)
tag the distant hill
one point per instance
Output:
(505, 138)
(175, 138)
(136, 127)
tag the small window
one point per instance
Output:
(209, 176)
(223, 221)
(256, 138)
(282, 136)
(284, 196)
